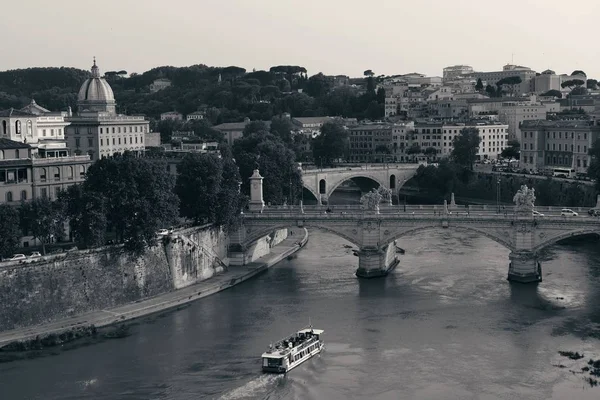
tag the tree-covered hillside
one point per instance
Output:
(258, 95)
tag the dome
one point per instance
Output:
(96, 94)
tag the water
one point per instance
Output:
(445, 325)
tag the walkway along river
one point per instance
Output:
(445, 325)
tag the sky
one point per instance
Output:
(330, 36)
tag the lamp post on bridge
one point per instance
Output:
(498, 196)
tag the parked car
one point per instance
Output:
(594, 212)
(16, 257)
(537, 214)
(35, 254)
(567, 212)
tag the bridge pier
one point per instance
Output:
(374, 262)
(524, 267)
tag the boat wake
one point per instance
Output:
(259, 387)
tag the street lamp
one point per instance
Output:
(498, 196)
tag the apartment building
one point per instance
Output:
(456, 71)
(370, 143)
(558, 144)
(513, 113)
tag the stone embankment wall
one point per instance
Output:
(76, 282)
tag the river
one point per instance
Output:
(444, 325)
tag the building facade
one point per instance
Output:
(456, 71)
(513, 113)
(548, 145)
(173, 115)
(370, 143)
(526, 74)
(97, 130)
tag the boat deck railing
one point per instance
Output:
(286, 350)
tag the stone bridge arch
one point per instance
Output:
(254, 232)
(496, 236)
(546, 240)
(335, 183)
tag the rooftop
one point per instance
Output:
(232, 126)
(11, 112)
(562, 123)
(311, 120)
(11, 144)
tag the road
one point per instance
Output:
(487, 168)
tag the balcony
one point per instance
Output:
(61, 160)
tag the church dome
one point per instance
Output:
(96, 94)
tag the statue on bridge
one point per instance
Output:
(524, 199)
(370, 201)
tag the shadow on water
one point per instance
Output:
(372, 288)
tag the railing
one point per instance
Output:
(53, 160)
(373, 167)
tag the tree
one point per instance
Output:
(414, 149)
(578, 72)
(479, 85)
(318, 85)
(331, 144)
(368, 73)
(553, 93)
(87, 216)
(571, 83)
(198, 186)
(10, 232)
(430, 152)
(43, 219)
(512, 150)
(578, 91)
(282, 127)
(276, 163)
(511, 82)
(138, 198)
(490, 90)
(592, 84)
(465, 147)
(255, 127)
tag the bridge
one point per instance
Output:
(374, 232)
(323, 182)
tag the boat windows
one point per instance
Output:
(273, 362)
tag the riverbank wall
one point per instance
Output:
(30, 341)
(55, 287)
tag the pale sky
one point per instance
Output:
(329, 36)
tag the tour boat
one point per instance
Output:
(288, 353)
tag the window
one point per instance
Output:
(2, 154)
(101, 142)
(23, 194)
(29, 127)
(9, 197)
(90, 142)
(70, 172)
(56, 173)
(584, 163)
(43, 174)
(4, 128)
(130, 129)
(130, 140)
(17, 153)
(101, 130)
(119, 129)
(77, 143)
(51, 132)
(89, 130)
(81, 171)
(113, 129)
(119, 140)
(18, 127)
(44, 132)
(585, 149)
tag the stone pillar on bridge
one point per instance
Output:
(524, 265)
(256, 193)
(374, 262)
(452, 202)
(597, 202)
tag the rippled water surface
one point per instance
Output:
(445, 325)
